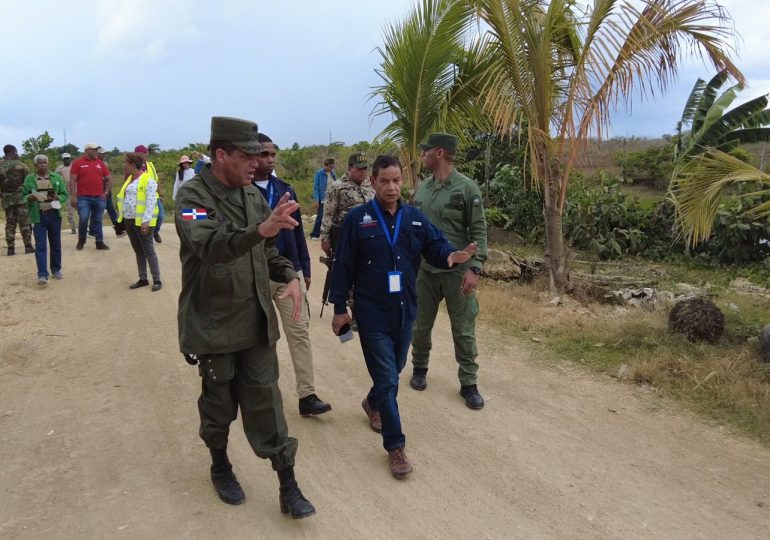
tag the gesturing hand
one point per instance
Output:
(280, 218)
(459, 257)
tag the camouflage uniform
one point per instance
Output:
(12, 173)
(340, 198)
(64, 171)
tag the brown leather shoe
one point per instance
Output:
(399, 463)
(375, 422)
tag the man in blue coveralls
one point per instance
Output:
(379, 251)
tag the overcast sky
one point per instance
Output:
(127, 72)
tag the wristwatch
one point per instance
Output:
(476, 270)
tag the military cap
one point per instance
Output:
(440, 140)
(241, 133)
(358, 160)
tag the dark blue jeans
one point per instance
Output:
(316, 232)
(385, 356)
(90, 212)
(48, 231)
(161, 214)
(111, 210)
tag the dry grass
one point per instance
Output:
(726, 381)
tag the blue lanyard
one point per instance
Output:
(391, 242)
(271, 193)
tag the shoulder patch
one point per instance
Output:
(476, 201)
(194, 213)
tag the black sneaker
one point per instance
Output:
(29, 249)
(140, 283)
(158, 239)
(311, 406)
(472, 397)
(11, 251)
(102, 246)
(227, 486)
(156, 286)
(80, 245)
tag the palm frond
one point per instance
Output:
(697, 189)
(419, 69)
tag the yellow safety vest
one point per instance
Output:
(141, 200)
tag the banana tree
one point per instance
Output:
(703, 167)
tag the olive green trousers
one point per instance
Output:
(432, 288)
(247, 379)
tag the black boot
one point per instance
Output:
(419, 380)
(223, 478)
(11, 251)
(292, 500)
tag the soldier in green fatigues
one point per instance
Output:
(12, 174)
(452, 202)
(226, 319)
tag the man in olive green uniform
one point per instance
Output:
(351, 190)
(226, 319)
(12, 174)
(452, 202)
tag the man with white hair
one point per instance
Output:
(44, 192)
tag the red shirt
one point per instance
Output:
(90, 173)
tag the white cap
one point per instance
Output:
(66, 154)
(92, 145)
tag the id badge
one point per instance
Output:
(394, 282)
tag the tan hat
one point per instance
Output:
(91, 145)
(185, 159)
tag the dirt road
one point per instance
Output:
(98, 435)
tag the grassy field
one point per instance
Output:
(726, 382)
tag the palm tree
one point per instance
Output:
(428, 76)
(564, 66)
(703, 167)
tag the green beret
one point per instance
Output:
(440, 140)
(241, 133)
(358, 160)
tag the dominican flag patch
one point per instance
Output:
(194, 213)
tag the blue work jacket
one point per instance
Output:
(319, 184)
(364, 258)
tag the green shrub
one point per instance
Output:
(738, 238)
(652, 166)
(513, 207)
(605, 221)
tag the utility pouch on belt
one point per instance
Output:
(217, 368)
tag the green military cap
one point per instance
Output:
(358, 160)
(242, 133)
(440, 140)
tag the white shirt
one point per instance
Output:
(188, 174)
